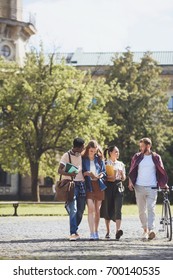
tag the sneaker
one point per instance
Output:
(151, 235)
(118, 234)
(107, 236)
(96, 235)
(92, 236)
(77, 234)
(145, 236)
(74, 237)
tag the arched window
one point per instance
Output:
(5, 51)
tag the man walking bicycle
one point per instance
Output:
(146, 173)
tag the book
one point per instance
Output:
(110, 171)
(70, 168)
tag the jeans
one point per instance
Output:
(146, 198)
(76, 208)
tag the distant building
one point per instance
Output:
(16, 27)
(99, 62)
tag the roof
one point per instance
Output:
(80, 58)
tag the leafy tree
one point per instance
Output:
(139, 104)
(45, 105)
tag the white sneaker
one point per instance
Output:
(145, 236)
(92, 236)
(96, 235)
(74, 237)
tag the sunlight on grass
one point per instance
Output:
(58, 210)
(131, 209)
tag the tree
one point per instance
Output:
(139, 104)
(45, 105)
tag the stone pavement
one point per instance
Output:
(45, 238)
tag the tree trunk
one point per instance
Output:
(34, 181)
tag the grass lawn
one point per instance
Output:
(58, 210)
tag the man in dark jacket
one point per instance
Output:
(146, 174)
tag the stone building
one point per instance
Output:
(16, 28)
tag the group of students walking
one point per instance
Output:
(102, 191)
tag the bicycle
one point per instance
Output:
(166, 216)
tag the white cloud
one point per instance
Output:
(103, 25)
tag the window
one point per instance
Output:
(5, 178)
(48, 181)
(170, 104)
(5, 51)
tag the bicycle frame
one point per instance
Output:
(166, 217)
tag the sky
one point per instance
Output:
(102, 25)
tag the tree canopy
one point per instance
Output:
(139, 105)
(44, 106)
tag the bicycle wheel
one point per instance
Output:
(168, 221)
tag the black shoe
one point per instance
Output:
(107, 236)
(118, 234)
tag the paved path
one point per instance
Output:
(45, 237)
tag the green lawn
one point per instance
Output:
(57, 210)
(131, 209)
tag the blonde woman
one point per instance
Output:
(94, 173)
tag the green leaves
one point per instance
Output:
(51, 104)
(139, 103)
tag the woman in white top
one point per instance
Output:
(112, 205)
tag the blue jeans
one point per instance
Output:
(76, 208)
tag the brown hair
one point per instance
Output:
(146, 141)
(109, 150)
(93, 144)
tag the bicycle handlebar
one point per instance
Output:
(163, 189)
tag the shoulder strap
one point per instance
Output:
(69, 157)
(60, 177)
(70, 162)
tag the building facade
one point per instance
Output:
(16, 28)
(99, 62)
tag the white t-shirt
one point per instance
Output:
(146, 172)
(93, 167)
(77, 161)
